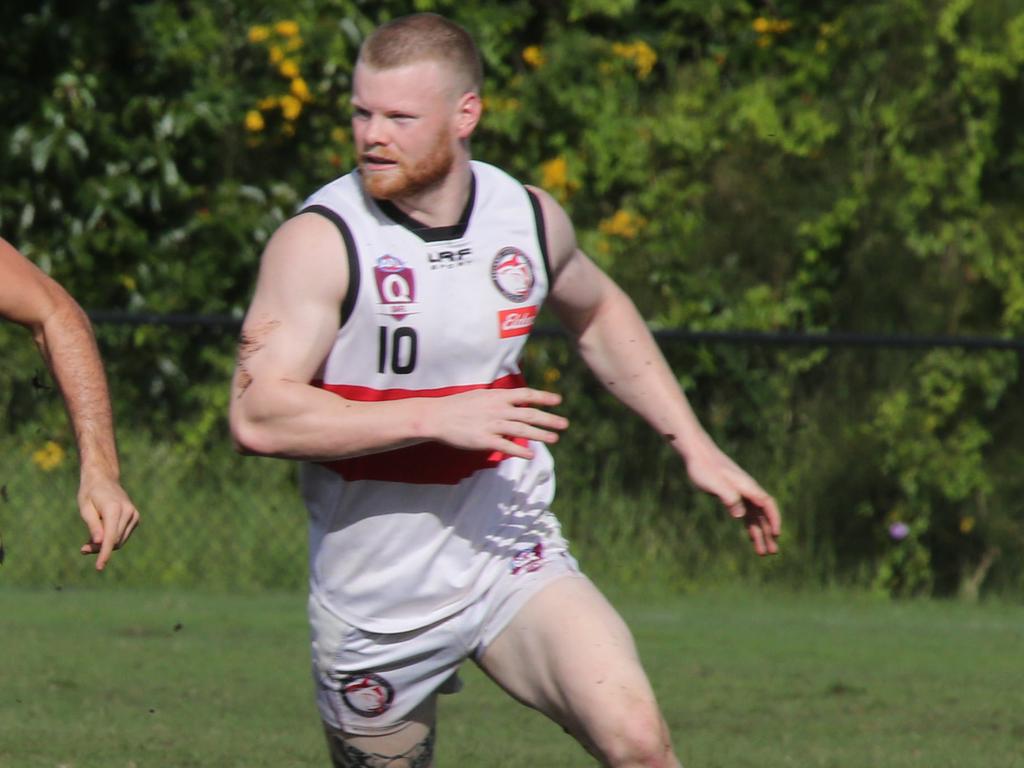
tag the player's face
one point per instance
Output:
(404, 127)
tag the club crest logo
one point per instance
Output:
(396, 287)
(512, 274)
(369, 695)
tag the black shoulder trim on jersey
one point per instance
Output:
(542, 234)
(432, 234)
(348, 303)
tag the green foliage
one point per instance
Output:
(796, 166)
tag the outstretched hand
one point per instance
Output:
(109, 515)
(715, 473)
(492, 419)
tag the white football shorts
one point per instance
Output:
(367, 682)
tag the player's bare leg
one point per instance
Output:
(410, 746)
(569, 654)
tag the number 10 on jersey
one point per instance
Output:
(396, 350)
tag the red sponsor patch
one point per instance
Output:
(516, 322)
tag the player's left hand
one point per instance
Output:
(109, 515)
(715, 473)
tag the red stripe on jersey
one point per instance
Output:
(430, 463)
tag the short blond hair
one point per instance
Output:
(425, 37)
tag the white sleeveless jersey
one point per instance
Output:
(404, 538)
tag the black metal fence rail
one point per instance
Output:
(230, 323)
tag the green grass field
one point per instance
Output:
(128, 679)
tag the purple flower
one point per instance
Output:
(899, 531)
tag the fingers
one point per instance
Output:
(761, 533)
(529, 423)
(116, 539)
(760, 516)
(501, 420)
(529, 396)
(532, 424)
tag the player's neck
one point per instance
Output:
(442, 204)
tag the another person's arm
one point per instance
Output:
(289, 330)
(618, 347)
(64, 336)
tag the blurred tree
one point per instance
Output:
(734, 164)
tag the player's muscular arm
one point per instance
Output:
(616, 344)
(288, 332)
(612, 337)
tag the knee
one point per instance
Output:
(638, 739)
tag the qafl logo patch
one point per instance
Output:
(369, 695)
(396, 287)
(512, 274)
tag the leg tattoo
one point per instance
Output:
(346, 755)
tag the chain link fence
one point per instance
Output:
(802, 414)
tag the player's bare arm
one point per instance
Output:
(616, 344)
(289, 329)
(65, 339)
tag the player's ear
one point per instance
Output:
(467, 114)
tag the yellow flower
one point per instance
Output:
(128, 282)
(533, 55)
(289, 68)
(291, 107)
(645, 58)
(765, 26)
(258, 34)
(253, 121)
(276, 54)
(286, 28)
(299, 89)
(764, 41)
(268, 103)
(967, 525)
(622, 224)
(555, 178)
(294, 44)
(551, 375)
(640, 53)
(338, 135)
(498, 104)
(554, 172)
(49, 457)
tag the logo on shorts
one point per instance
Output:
(369, 695)
(528, 560)
(512, 274)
